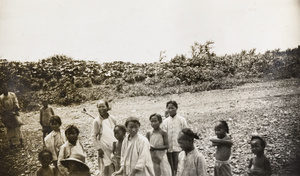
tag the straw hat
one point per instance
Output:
(78, 159)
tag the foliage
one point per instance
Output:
(64, 75)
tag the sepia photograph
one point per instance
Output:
(149, 88)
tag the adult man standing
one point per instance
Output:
(103, 138)
(9, 111)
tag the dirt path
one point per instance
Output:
(270, 108)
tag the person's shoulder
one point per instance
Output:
(227, 138)
(48, 136)
(163, 132)
(11, 93)
(142, 138)
(180, 117)
(265, 158)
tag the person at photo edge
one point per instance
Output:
(9, 112)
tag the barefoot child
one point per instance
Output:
(173, 125)
(45, 158)
(190, 161)
(71, 147)
(135, 152)
(120, 132)
(55, 139)
(158, 147)
(223, 143)
(45, 113)
(260, 164)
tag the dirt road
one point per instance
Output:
(269, 108)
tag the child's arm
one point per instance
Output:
(119, 172)
(63, 170)
(143, 156)
(268, 170)
(41, 114)
(148, 135)
(52, 112)
(225, 141)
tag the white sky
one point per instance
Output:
(137, 30)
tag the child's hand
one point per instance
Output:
(100, 153)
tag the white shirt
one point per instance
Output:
(173, 125)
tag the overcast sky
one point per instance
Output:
(137, 30)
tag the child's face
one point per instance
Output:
(171, 109)
(132, 128)
(256, 146)
(46, 159)
(183, 141)
(45, 103)
(119, 134)
(102, 108)
(220, 131)
(55, 126)
(154, 122)
(72, 136)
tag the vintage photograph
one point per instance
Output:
(149, 88)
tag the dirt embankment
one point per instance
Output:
(269, 108)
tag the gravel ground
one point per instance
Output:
(269, 108)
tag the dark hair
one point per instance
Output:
(41, 154)
(156, 115)
(173, 103)
(224, 123)
(132, 119)
(189, 133)
(55, 119)
(71, 127)
(263, 142)
(121, 127)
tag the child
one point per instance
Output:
(190, 161)
(45, 157)
(76, 165)
(135, 152)
(71, 147)
(55, 139)
(9, 111)
(173, 125)
(103, 137)
(158, 147)
(120, 132)
(45, 113)
(222, 155)
(260, 164)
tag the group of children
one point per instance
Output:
(167, 149)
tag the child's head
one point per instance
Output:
(103, 107)
(221, 129)
(155, 120)
(258, 145)
(186, 139)
(55, 123)
(72, 133)
(5, 89)
(44, 102)
(172, 107)
(119, 132)
(133, 125)
(45, 157)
